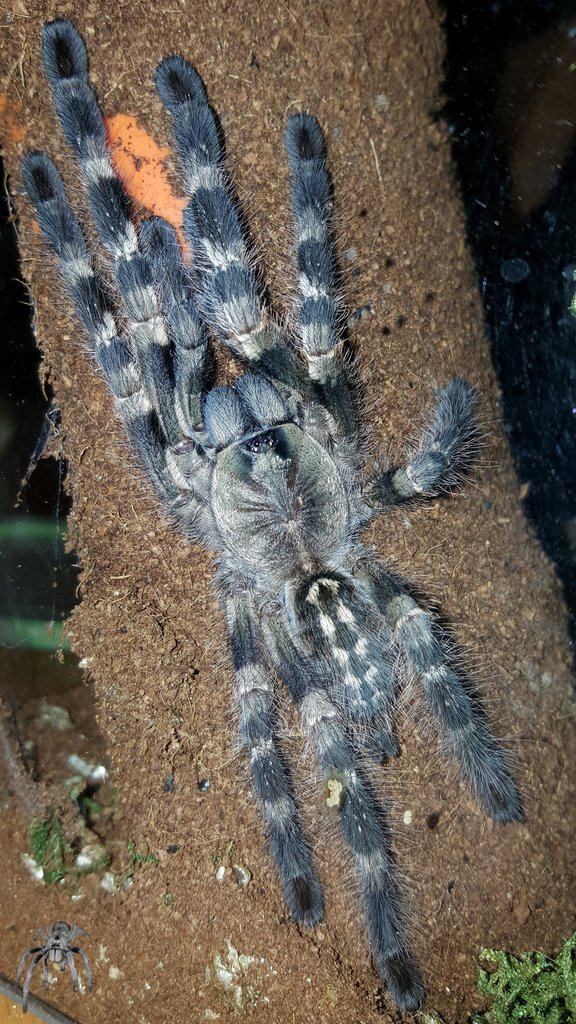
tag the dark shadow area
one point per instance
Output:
(511, 110)
(24, 406)
(38, 576)
(46, 708)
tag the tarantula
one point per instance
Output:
(268, 471)
(58, 949)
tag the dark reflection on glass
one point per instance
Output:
(46, 709)
(511, 84)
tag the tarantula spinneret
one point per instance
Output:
(58, 949)
(269, 472)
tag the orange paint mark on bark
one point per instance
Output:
(12, 119)
(143, 167)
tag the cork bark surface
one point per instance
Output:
(148, 625)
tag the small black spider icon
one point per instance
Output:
(57, 947)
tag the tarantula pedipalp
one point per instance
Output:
(56, 948)
(269, 473)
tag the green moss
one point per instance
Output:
(49, 847)
(141, 858)
(56, 856)
(533, 988)
(223, 856)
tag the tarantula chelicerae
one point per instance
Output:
(57, 947)
(268, 472)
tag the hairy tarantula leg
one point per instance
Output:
(318, 307)
(28, 979)
(187, 331)
(312, 206)
(45, 977)
(111, 350)
(447, 447)
(227, 290)
(362, 820)
(459, 714)
(24, 957)
(290, 851)
(72, 968)
(65, 62)
(87, 968)
(366, 834)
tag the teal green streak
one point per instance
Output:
(35, 633)
(31, 529)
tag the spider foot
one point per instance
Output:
(305, 900)
(404, 981)
(502, 801)
(381, 746)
